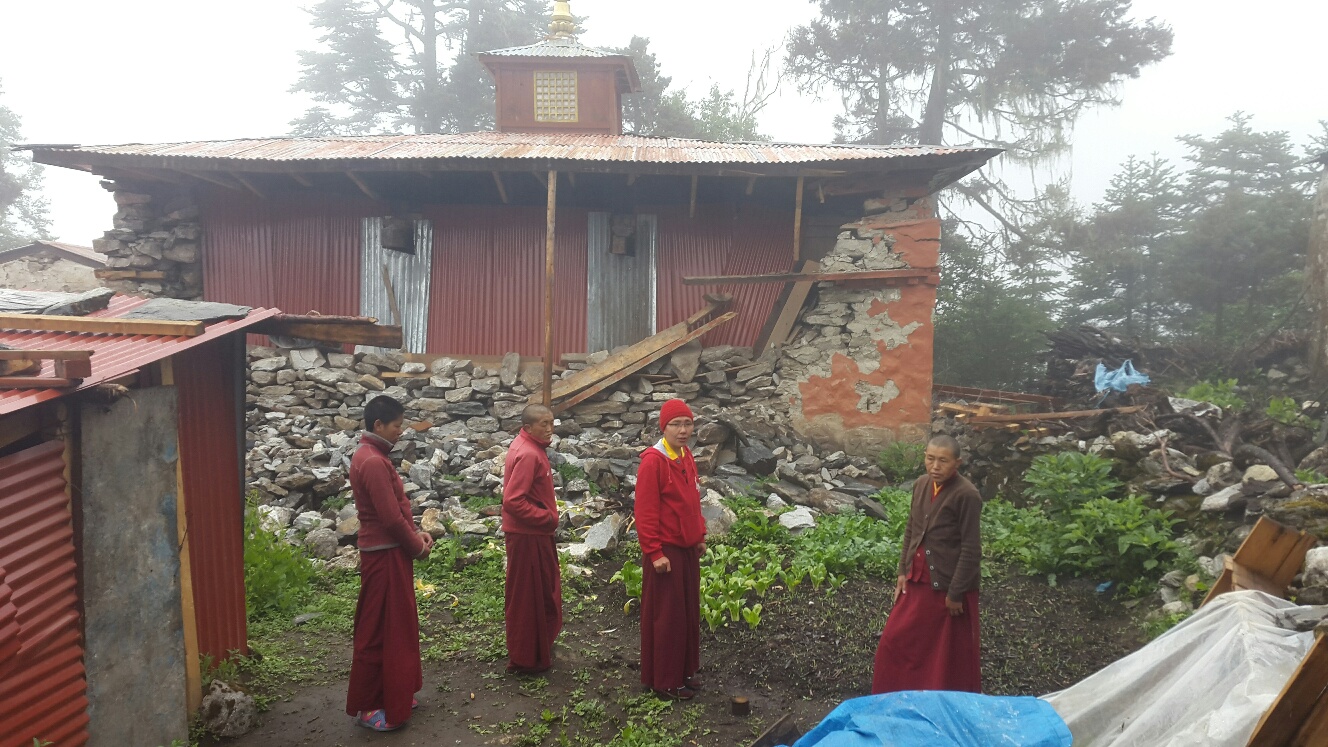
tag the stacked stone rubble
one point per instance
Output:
(155, 229)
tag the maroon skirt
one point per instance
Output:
(385, 669)
(923, 647)
(671, 619)
(534, 601)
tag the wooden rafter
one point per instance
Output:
(502, 190)
(99, 325)
(354, 177)
(797, 220)
(926, 275)
(249, 185)
(691, 210)
(212, 179)
(301, 179)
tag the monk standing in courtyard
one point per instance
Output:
(930, 641)
(385, 669)
(672, 533)
(534, 591)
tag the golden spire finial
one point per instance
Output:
(563, 25)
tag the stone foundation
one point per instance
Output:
(157, 229)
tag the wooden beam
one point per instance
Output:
(45, 355)
(100, 325)
(784, 315)
(392, 296)
(502, 190)
(369, 335)
(301, 179)
(631, 179)
(193, 675)
(996, 394)
(922, 275)
(428, 176)
(364, 187)
(691, 210)
(571, 179)
(35, 382)
(820, 192)
(248, 185)
(551, 224)
(1299, 697)
(542, 179)
(797, 221)
(751, 185)
(1035, 417)
(108, 274)
(73, 369)
(212, 179)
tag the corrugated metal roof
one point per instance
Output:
(558, 47)
(512, 145)
(113, 355)
(78, 252)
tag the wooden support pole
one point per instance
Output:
(797, 221)
(548, 285)
(751, 185)
(820, 192)
(248, 185)
(571, 178)
(502, 190)
(193, 674)
(691, 211)
(363, 187)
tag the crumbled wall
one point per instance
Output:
(156, 229)
(858, 374)
(43, 272)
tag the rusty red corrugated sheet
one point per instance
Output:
(488, 281)
(507, 145)
(205, 378)
(719, 241)
(43, 691)
(113, 355)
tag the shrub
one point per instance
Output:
(902, 461)
(277, 575)
(1310, 477)
(1221, 393)
(1286, 411)
(1124, 540)
(1062, 481)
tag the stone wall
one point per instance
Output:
(857, 376)
(45, 272)
(156, 229)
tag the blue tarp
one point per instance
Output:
(1120, 379)
(939, 719)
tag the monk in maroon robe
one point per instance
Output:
(385, 669)
(534, 591)
(930, 641)
(672, 533)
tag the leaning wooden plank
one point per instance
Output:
(356, 333)
(626, 371)
(130, 274)
(925, 273)
(996, 394)
(1298, 699)
(99, 325)
(785, 313)
(783, 731)
(34, 382)
(1314, 732)
(1274, 551)
(1031, 417)
(45, 355)
(73, 369)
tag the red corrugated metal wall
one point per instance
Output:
(720, 241)
(214, 497)
(488, 281)
(43, 693)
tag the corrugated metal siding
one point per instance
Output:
(410, 275)
(620, 289)
(720, 242)
(214, 497)
(488, 281)
(43, 693)
(297, 255)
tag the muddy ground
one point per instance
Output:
(811, 651)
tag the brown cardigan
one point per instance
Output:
(950, 529)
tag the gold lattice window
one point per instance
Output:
(555, 96)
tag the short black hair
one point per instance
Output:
(943, 441)
(532, 413)
(382, 409)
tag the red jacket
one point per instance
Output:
(668, 503)
(380, 500)
(529, 503)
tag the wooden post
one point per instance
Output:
(797, 222)
(193, 674)
(691, 211)
(548, 287)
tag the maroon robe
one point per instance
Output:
(671, 619)
(385, 669)
(534, 602)
(923, 647)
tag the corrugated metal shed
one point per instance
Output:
(510, 145)
(43, 692)
(114, 355)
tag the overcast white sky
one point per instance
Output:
(91, 71)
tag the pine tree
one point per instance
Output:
(23, 216)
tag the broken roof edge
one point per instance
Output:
(83, 255)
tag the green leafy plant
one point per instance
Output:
(1221, 392)
(1310, 477)
(478, 502)
(1121, 540)
(1062, 481)
(901, 461)
(277, 575)
(1286, 411)
(631, 575)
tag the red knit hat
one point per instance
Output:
(674, 408)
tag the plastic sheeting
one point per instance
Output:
(1205, 682)
(939, 719)
(1120, 379)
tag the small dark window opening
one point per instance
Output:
(398, 234)
(623, 232)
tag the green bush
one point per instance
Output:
(1060, 482)
(902, 461)
(1286, 411)
(1221, 392)
(277, 575)
(1310, 477)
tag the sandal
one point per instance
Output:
(376, 720)
(681, 693)
(414, 703)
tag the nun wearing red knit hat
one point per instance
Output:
(672, 533)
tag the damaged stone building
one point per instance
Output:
(468, 240)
